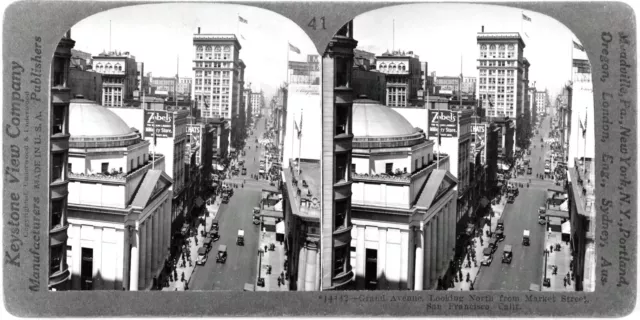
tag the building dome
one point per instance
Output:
(378, 126)
(92, 125)
(372, 119)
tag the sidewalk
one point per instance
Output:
(176, 284)
(562, 259)
(273, 258)
(477, 248)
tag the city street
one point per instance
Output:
(241, 265)
(527, 264)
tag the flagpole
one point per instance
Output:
(438, 163)
(393, 48)
(460, 86)
(293, 127)
(300, 143)
(175, 93)
(153, 164)
(584, 138)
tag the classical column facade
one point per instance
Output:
(427, 254)
(382, 258)
(149, 253)
(434, 248)
(142, 267)
(97, 258)
(419, 261)
(302, 267)
(360, 258)
(134, 269)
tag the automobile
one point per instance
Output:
(244, 171)
(542, 215)
(222, 254)
(525, 238)
(214, 225)
(207, 243)
(488, 257)
(500, 225)
(214, 236)
(202, 256)
(225, 198)
(493, 244)
(256, 215)
(529, 171)
(511, 199)
(240, 240)
(507, 255)
(500, 234)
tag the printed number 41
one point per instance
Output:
(312, 23)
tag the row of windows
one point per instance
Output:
(491, 72)
(492, 63)
(217, 56)
(107, 80)
(108, 67)
(396, 97)
(502, 89)
(393, 67)
(502, 81)
(500, 47)
(112, 97)
(216, 48)
(499, 55)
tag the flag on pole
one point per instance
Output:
(300, 129)
(242, 20)
(439, 135)
(577, 46)
(294, 49)
(155, 137)
(241, 36)
(524, 17)
(584, 126)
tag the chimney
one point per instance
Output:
(482, 29)
(199, 30)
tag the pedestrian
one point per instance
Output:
(565, 282)
(551, 248)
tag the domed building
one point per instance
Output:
(403, 205)
(119, 203)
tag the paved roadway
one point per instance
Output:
(241, 265)
(527, 264)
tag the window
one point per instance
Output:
(55, 256)
(340, 261)
(105, 166)
(57, 172)
(422, 162)
(341, 167)
(342, 120)
(415, 164)
(388, 167)
(199, 48)
(69, 167)
(58, 72)
(57, 207)
(342, 210)
(58, 119)
(353, 167)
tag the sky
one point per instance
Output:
(158, 34)
(443, 33)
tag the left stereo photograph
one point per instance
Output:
(175, 162)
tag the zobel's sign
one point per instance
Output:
(445, 121)
(160, 122)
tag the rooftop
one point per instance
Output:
(379, 124)
(304, 188)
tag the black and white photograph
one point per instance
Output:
(269, 158)
(172, 179)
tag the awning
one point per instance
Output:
(199, 202)
(280, 227)
(566, 227)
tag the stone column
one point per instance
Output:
(310, 275)
(77, 258)
(443, 255)
(302, 267)
(126, 234)
(142, 241)
(427, 261)
(149, 252)
(135, 262)
(157, 244)
(452, 227)
(419, 267)
(382, 258)
(361, 252)
(434, 247)
(166, 209)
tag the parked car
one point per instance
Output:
(488, 257)
(202, 256)
(222, 254)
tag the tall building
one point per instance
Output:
(582, 136)
(523, 128)
(541, 101)
(240, 119)
(403, 203)
(119, 203)
(337, 93)
(86, 83)
(469, 86)
(184, 86)
(257, 102)
(403, 76)
(217, 58)
(59, 274)
(248, 107)
(501, 73)
(119, 74)
(141, 89)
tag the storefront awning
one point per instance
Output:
(566, 227)
(280, 227)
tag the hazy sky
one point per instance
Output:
(157, 34)
(441, 33)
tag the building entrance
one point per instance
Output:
(86, 269)
(371, 270)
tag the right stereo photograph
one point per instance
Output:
(462, 152)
